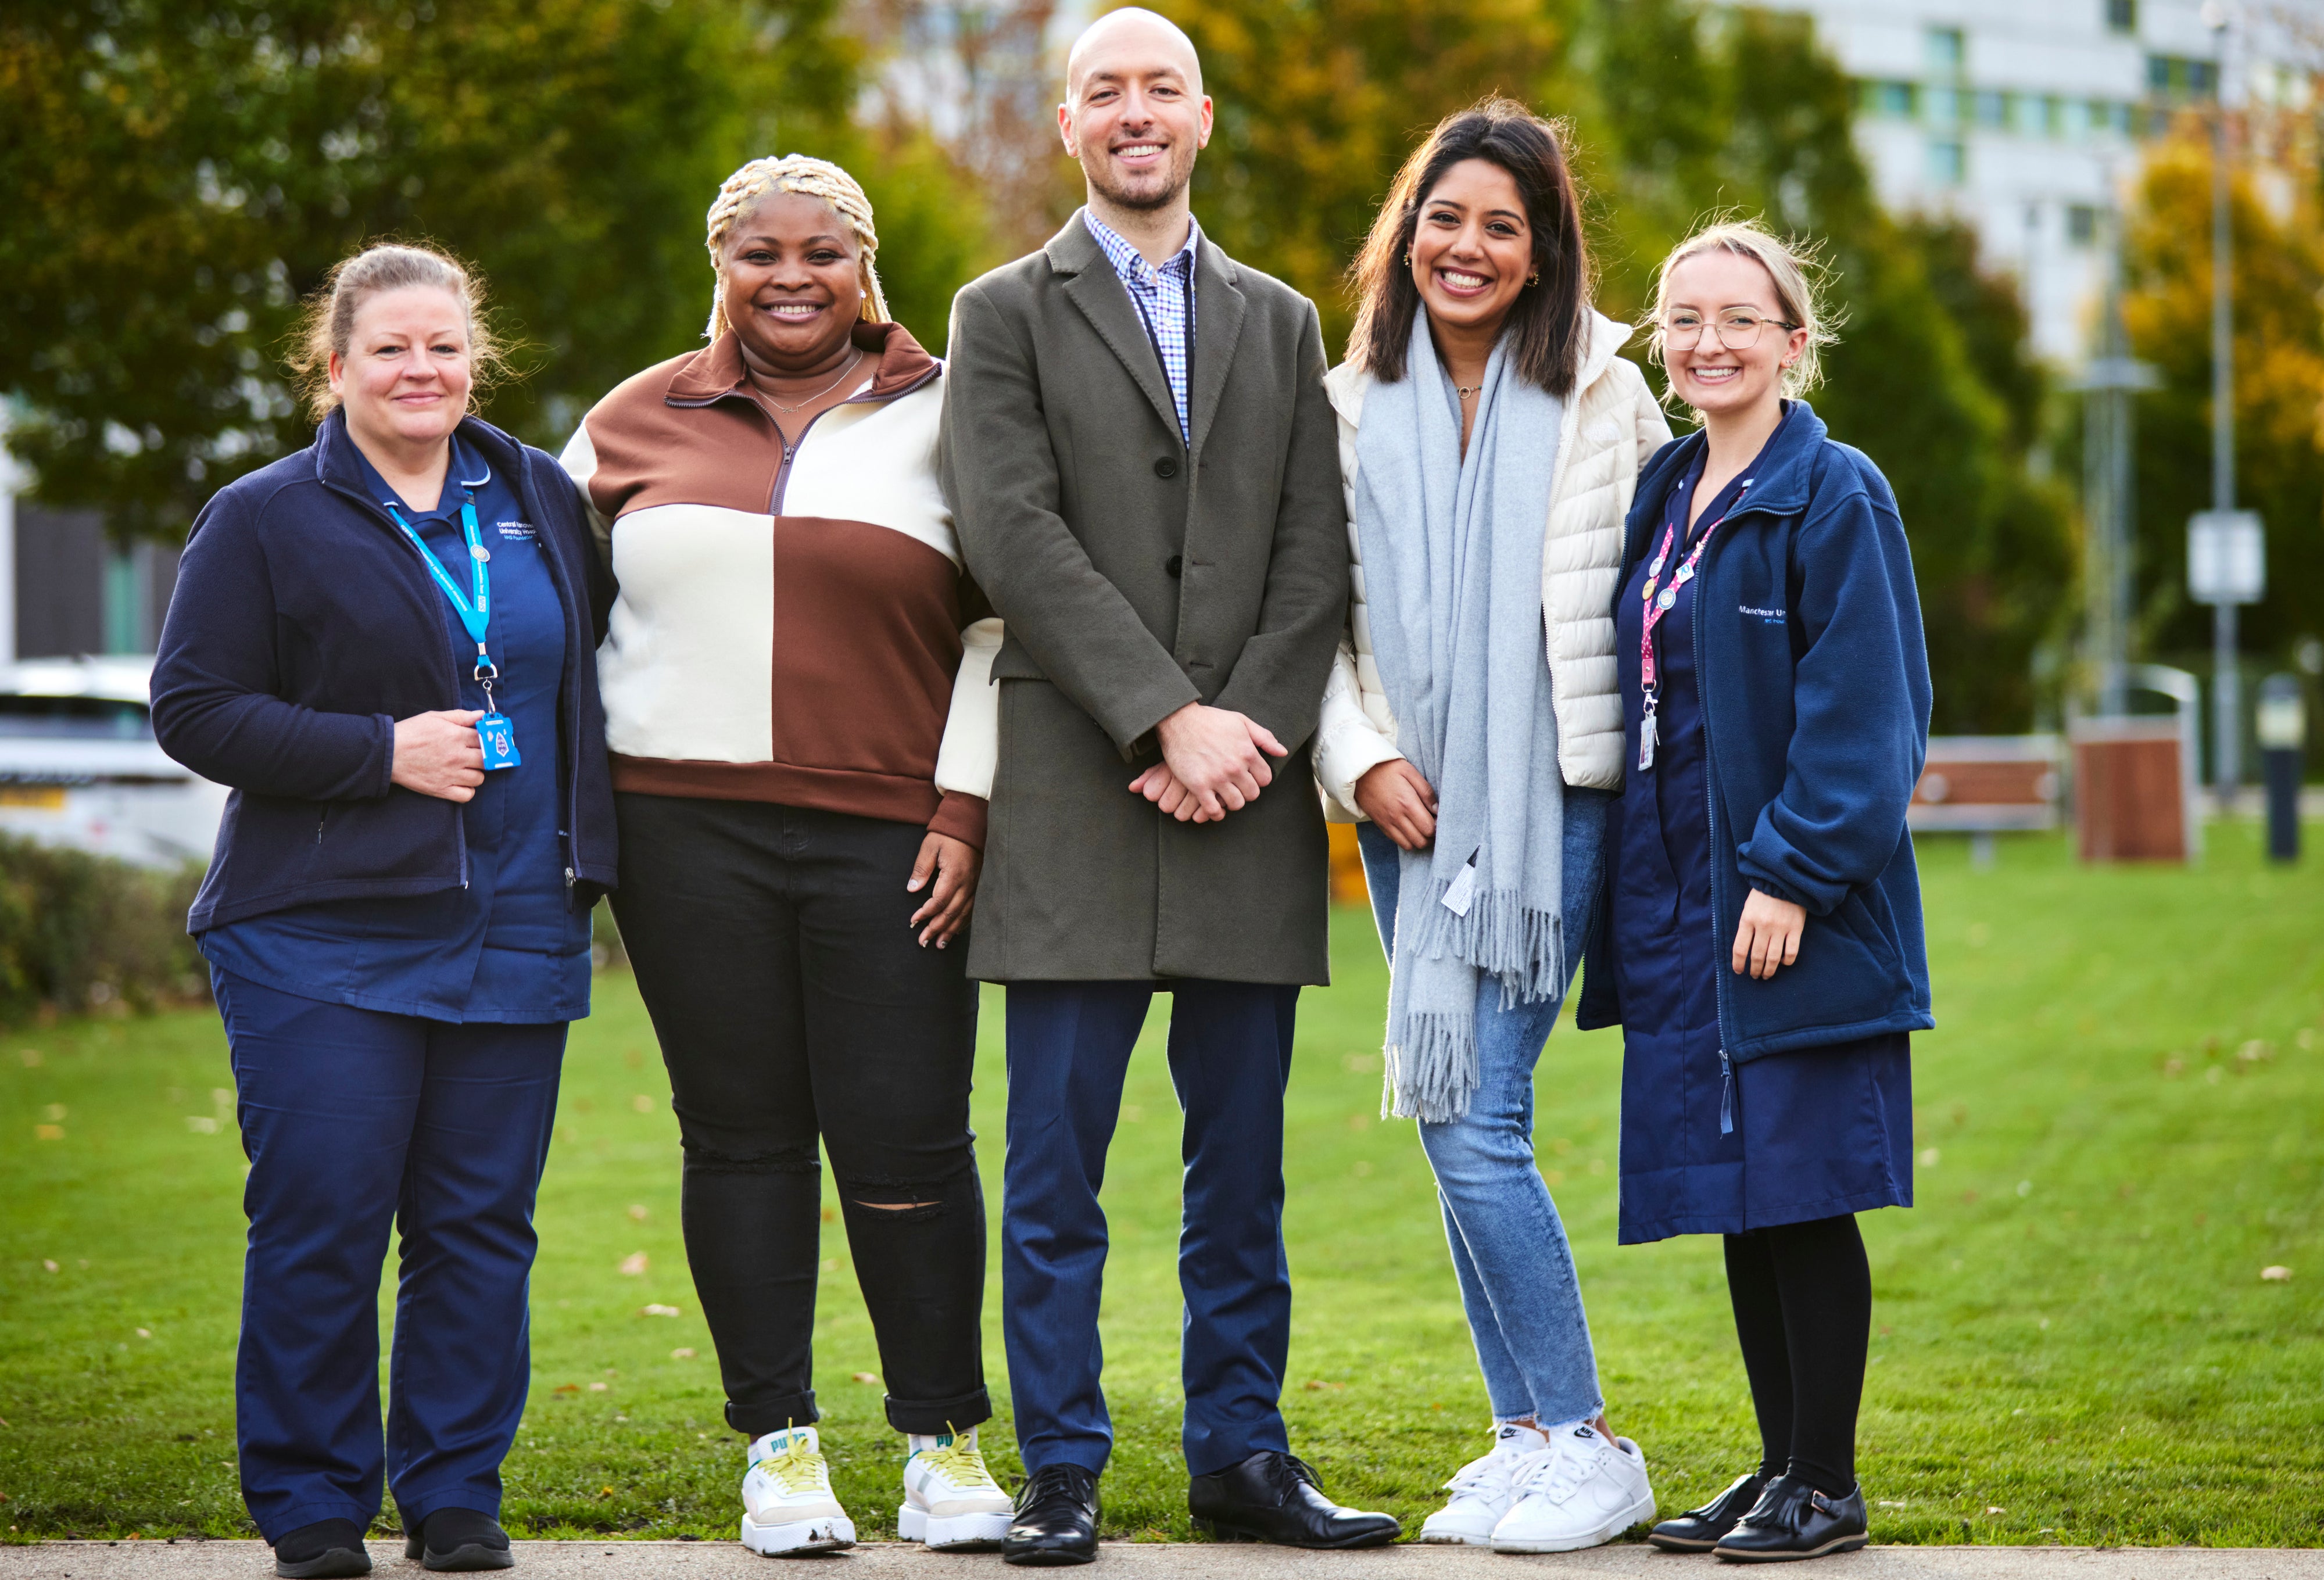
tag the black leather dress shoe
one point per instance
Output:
(1056, 1518)
(1698, 1530)
(326, 1548)
(459, 1539)
(1275, 1497)
(1791, 1519)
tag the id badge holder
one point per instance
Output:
(497, 735)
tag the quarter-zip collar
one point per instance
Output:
(716, 370)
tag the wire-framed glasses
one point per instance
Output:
(1737, 328)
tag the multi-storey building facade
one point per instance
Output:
(2027, 117)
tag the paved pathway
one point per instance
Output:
(620, 1560)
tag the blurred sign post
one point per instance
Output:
(2282, 735)
(2227, 567)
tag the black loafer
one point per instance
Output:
(1276, 1497)
(327, 1546)
(459, 1539)
(1698, 1530)
(1056, 1518)
(1792, 1520)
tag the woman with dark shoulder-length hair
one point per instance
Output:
(1489, 438)
(382, 644)
(1761, 943)
(796, 686)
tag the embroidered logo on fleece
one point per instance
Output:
(1765, 616)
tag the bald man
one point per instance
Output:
(1143, 471)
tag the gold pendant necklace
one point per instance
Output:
(792, 411)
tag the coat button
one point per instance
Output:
(1176, 565)
(1167, 467)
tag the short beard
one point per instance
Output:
(1179, 177)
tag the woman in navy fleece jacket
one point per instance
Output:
(1761, 941)
(396, 914)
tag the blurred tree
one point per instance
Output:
(1678, 111)
(2279, 345)
(178, 173)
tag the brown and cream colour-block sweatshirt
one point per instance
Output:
(793, 625)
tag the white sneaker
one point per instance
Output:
(950, 1498)
(1483, 1490)
(787, 1503)
(1581, 1493)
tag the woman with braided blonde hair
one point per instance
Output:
(797, 681)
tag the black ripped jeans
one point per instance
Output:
(794, 1003)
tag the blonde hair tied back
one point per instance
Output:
(326, 324)
(747, 188)
(1797, 270)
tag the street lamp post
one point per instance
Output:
(2227, 690)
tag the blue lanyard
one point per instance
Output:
(476, 614)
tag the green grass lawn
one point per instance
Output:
(2121, 1122)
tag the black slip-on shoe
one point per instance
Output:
(1698, 1530)
(1056, 1518)
(459, 1539)
(1792, 1520)
(326, 1548)
(1276, 1497)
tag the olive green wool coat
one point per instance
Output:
(1136, 573)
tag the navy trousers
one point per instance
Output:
(354, 1119)
(1230, 1052)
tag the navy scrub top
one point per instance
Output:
(510, 947)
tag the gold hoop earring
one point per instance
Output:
(1534, 278)
(1407, 257)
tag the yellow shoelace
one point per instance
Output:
(797, 1468)
(963, 1463)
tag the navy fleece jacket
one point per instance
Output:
(303, 625)
(1815, 697)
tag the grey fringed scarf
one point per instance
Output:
(1451, 557)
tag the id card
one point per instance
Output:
(498, 737)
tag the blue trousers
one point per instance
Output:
(1509, 1252)
(354, 1119)
(1230, 1052)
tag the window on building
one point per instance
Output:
(1991, 108)
(2178, 79)
(2029, 113)
(2122, 15)
(124, 604)
(1948, 50)
(1944, 105)
(2083, 224)
(1948, 161)
(1892, 99)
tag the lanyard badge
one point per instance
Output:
(1659, 604)
(494, 732)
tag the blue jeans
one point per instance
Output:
(358, 1121)
(1230, 1050)
(1509, 1253)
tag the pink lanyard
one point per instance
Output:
(1658, 605)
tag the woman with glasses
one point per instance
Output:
(1762, 949)
(1489, 438)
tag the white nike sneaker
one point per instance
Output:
(950, 1499)
(1582, 1491)
(787, 1507)
(1484, 1490)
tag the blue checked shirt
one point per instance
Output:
(1164, 298)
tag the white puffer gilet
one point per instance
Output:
(1611, 426)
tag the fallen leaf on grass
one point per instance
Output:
(637, 1213)
(201, 1124)
(2275, 1275)
(634, 1264)
(683, 1352)
(569, 1388)
(641, 1102)
(598, 1387)
(32, 1055)
(144, 1333)
(48, 1133)
(1995, 1508)
(48, 1264)
(867, 1377)
(657, 1311)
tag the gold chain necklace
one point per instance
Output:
(793, 410)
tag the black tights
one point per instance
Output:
(1802, 1294)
